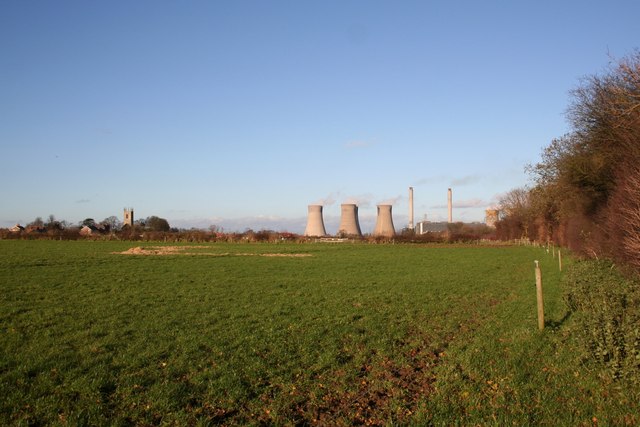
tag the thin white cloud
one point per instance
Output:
(363, 200)
(464, 204)
(356, 144)
(466, 180)
(453, 182)
(430, 180)
(329, 200)
(391, 201)
(471, 203)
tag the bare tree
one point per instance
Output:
(630, 216)
(515, 202)
(38, 222)
(113, 222)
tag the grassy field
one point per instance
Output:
(288, 334)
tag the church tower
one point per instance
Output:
(128, 217)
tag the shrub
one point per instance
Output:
(606, 306)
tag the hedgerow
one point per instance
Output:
(606, 307)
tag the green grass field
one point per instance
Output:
(333, 334)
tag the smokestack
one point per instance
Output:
(410, 208)
(349, 223)
(450, 206)
(384, 223)
(315, 223)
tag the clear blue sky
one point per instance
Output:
(241, 113)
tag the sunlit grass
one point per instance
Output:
(350, 334)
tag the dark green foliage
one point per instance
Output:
(88, 222)
(606, 307)
(155, 223)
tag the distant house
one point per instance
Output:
(89, 230)
(16, 228)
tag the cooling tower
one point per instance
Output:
(450, 205)
(410, 208)
(491, 217)
(349, 223)
(315, 223)
(384, 223)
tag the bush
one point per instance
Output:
(606, 306)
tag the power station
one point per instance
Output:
(384, 223)
(384, 227)
(349, 223)
(315, 223)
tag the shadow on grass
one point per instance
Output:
(556, 324)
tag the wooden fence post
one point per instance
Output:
(560, 259)
(539, 296)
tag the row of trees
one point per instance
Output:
(586, 188)
(154, 228)
(112, 223)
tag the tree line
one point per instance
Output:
(109, 224)
(585, 191)
(154, 228)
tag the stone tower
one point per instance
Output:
(128, 217)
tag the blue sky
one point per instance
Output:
(241, 113)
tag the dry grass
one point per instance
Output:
(186, 250)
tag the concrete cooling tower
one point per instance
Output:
(384, 223)
(315, 223)
(349, 223)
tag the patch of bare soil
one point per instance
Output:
(286, 255)
(185, 250)
(384, 391)
(158, 250)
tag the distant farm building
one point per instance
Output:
(16, 228)
(89, 230)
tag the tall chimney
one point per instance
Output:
(450, 206)
(384, 223)
(349, 223)
(410, 208)
(315, 223)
